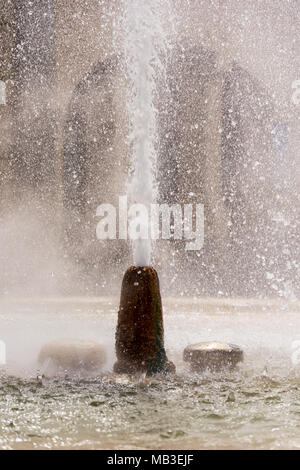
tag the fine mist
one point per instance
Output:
(222, 130)
(33, 259)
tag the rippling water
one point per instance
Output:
(257, 406)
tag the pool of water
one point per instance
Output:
(256, 406)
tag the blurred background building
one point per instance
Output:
(229, 138)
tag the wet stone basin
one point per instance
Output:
(255, 406)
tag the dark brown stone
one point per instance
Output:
(140, 334)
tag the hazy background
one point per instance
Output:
(229, 138)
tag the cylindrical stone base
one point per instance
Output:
(214, 356)
(140, 334)
(73, 355)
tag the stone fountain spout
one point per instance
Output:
(140, 333)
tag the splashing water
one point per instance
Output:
(144, 45)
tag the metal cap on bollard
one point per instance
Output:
(140, 333)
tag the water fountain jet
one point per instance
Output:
(139, 336)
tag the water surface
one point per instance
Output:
(257, 406)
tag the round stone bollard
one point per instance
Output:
(72, 355)
(140, 333)
(214, 356)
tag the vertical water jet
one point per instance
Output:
(145, 45)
